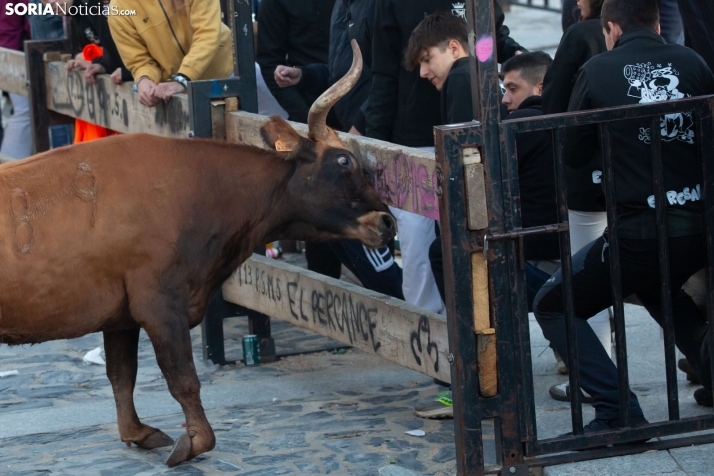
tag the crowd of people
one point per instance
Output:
(416, 76)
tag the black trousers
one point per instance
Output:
(639, 264)
(375, 268)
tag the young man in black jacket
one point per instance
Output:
(447, 68)
(404, 108)
(640, 68)
(438, 48)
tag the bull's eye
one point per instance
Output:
(343, 160)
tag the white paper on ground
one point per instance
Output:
(415, 432)
(94, 356)
(8, 373)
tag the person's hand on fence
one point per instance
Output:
(164, 91)
(146, 92)
(116, 76)
(287, 76)
(77, 64)
(91, 72)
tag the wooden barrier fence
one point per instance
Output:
(12, 73)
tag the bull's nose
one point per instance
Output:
(387, 226)
(388, 221)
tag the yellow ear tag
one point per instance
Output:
(282, 146)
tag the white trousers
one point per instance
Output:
(586, 227)
(416, 233)
(17, 141)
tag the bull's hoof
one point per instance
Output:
(157, 439)
(180, 452)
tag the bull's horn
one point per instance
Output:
(317, 118)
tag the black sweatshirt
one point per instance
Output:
(403, 108)
(580, 42)
(351, 19)
(536, 178)
(535, 160)
(293, 33)
(94, 29)
(643, 69)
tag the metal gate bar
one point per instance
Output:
(608, 181)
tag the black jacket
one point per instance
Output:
(351, 19)
(94, 29)
(456, 104)
(293, 33)
(643, 69)
(580, 42)
(536, 178)
(403, 108)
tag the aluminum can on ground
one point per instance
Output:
(251, 350)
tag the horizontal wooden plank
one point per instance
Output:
(404, 177)
(369, 321)
(113, 106)
(13, 78)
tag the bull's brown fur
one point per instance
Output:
(138, 231)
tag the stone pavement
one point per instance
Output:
(332, 412)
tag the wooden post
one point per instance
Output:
(35, 66)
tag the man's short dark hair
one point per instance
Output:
(630, 14)
(436, 30)
(532, 66)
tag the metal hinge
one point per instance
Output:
(519, 234)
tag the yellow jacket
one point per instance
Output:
(168, 37)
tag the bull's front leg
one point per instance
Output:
(169, 334)
(121, 348)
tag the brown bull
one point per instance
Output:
(137, 231)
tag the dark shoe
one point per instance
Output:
(599, 425)
(561, 392)
(436, 408)
(703, 397)
(685, 367)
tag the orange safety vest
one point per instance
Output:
(85, 131)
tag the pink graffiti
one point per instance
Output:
(484, 48)
(400, 179)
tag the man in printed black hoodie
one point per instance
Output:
(640, 68)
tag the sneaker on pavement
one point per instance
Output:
(561, 392)
(703, 397)
(685, 367)
(435, 408)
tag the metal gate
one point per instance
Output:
(513, 406)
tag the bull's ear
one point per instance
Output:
(280, 135)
